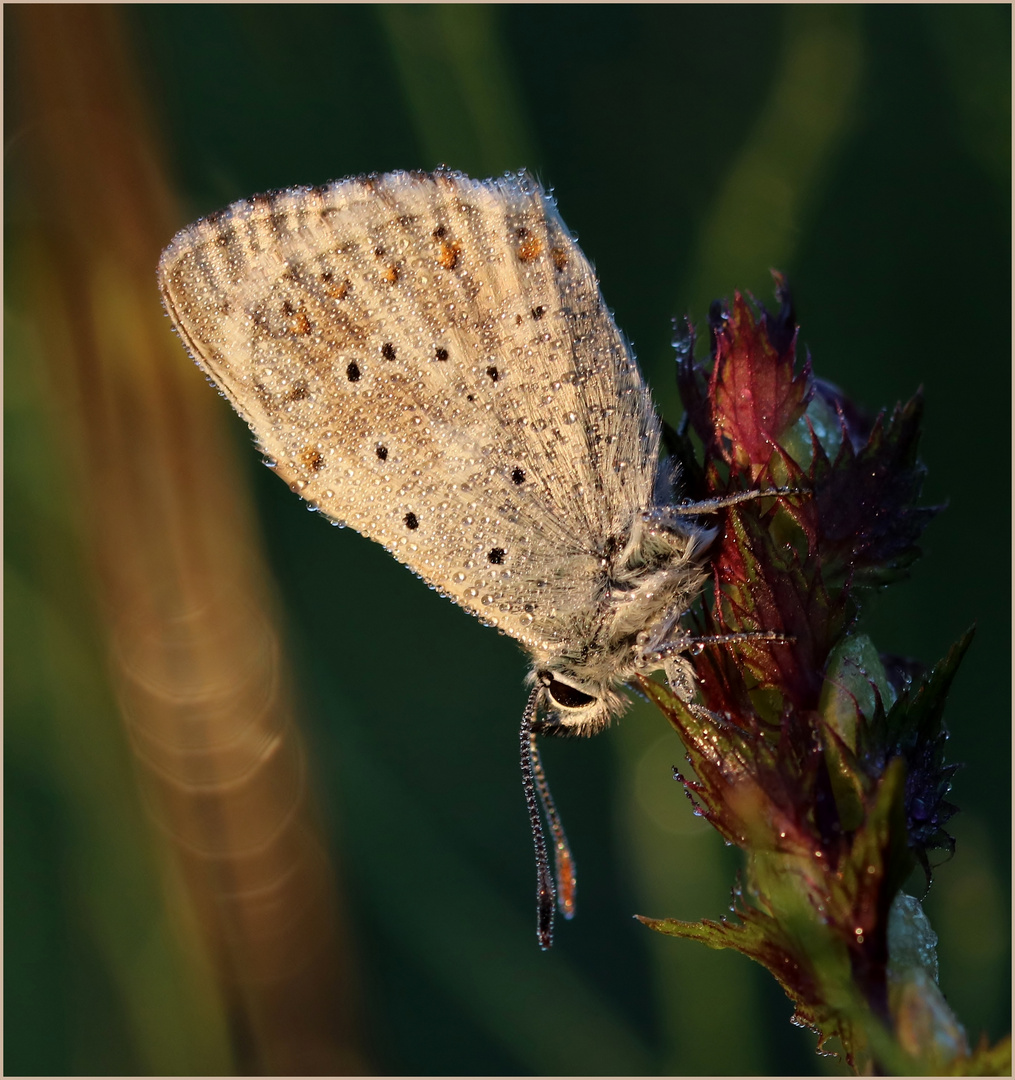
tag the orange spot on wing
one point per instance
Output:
(447, 256)
(312, 459)
(530, 248)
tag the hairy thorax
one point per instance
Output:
(646, 587)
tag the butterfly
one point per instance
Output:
(428, 359)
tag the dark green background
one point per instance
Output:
(863, 151)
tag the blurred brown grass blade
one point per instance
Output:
(196, 658)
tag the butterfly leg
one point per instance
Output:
(672, 659)
(711, 506)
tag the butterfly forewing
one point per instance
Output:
(429, 360)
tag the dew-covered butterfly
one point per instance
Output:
(428, 359)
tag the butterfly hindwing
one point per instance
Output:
(428, 359)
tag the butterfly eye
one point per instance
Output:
(568, 697)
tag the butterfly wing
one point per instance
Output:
(428, 359)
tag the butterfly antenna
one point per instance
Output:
(534, 784)
(563, 860)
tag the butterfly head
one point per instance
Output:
(573, 704)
